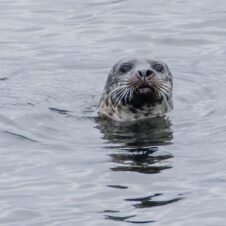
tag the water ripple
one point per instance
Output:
(60, 164)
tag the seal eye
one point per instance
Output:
(158, 67)
(125, 68)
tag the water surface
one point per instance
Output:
(62, 165)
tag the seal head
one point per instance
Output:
(137, 88)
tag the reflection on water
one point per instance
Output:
(138, 134)
(115, 218)
(138, 143)
(140, 160)
(146, 202)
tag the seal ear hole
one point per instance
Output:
(125, 68)
(158, 67)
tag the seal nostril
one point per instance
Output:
(145, 73)
(149, 72)
(140, 73)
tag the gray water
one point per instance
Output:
(62, 165)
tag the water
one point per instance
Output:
(62, 165)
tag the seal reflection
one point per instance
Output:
(138, 143)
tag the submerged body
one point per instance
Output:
(137, 88)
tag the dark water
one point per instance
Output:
(60, 164)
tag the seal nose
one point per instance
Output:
(145, 73)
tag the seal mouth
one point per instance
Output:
(144, 89)
(145, 93)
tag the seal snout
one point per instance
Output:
(142, 80)
(145, 73)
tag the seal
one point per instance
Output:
(137, 88)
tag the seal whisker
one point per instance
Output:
(122, 88)
(116, 89)
(130, 93)
(165, 87)
(160, 82)
(161, 86)
(117, 96)
(120, 91)
(164, 97)
(127, 94)
(120, 97)
(117, 92)
(166, 84)
(164, 92)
